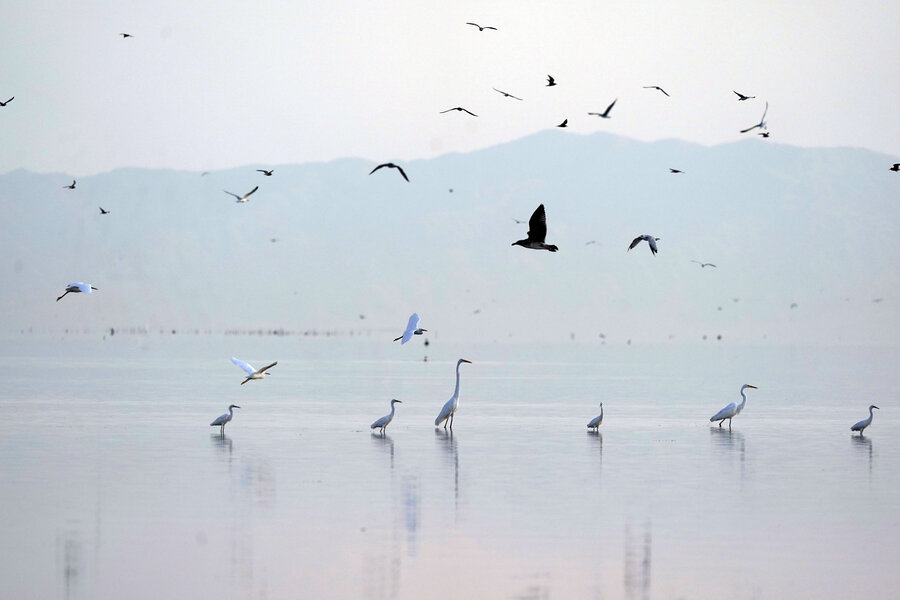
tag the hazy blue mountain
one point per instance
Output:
(784, 225)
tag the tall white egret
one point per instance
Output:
(453, 403)
(595, 422)
(251, 372)
(386, 419)
(732, 410)
(221, 420)
(412, 328)
(77, 287)
(865, 422)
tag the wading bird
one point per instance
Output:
(732, 410)
(7, 102)
(703, 265)
(537, 232)
(605, 113)
(865, 422)
(384, 421)
(742, 97)
(644, 238)
(266, 173)
(480, 28)
(459, 108)
(412, 328)
(595, 422)
(71, 186)
(390, 165)
(250, 371)
(103, 211)
(222, 420)
(76, 288)
(506, 94)
(655, 87)
(762, 122)
(244, 198)
(550, 81)
(452, 404)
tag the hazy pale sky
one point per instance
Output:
(220, 84)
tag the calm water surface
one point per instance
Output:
(112, 485)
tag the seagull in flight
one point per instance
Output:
(459, 108)
(266, 173)
(537, 232)
(71, 186)
(103, 212)
(550, 81)
(895, 167)
(244, 198)
(412, 328)
(250, 371)
(126, 35)
(480, 28)
(76, 288)
(703, 265)
(391, 166)
(742, 97)
(762, 122)
(605, 113)
(506, 94)
(7, 102)
(646, 238)
(764, 134)
(655, 87)
(671, 170)
(565, 123)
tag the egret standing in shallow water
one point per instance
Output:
(221, 420)
(77, 287)
(452, 404)
(251, 372)
(595, 422)
(732, 410)
(865, 422)
(386, 419)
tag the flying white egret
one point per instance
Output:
(77, 287)
(221, 420)
(595, 422)
(732, 410)
(386, 419)
(412, 328)
(251, 372)
(453, 403)
(244, 198)
(865, 422)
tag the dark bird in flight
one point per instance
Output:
(392, 166)
(103, 212)
(765, 134)
(655, 87)
(550, 81)
(71, 186)
(244, 198)
(480, 28)
(671, 170)
(507, 95)
(895, 168)
(762, 121)
(459, 108)
(703, 265)
(605, 113)
(742, 97)
(126, 35)
(266, 173)
(648, 238)
(7, 102)
(565, 123)
(537, 232)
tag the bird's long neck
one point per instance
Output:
(601, 411)
(393, 404)
(456, 389)
(744, 401)
(870, 412)
(230, 411)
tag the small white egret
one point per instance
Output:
(77, 287)
(453, 403)
(732, 410)
(412, 328)
(251, 372)
(221, 420)
(244, 198)
(595, 422)
(865, 422)
(386, 419)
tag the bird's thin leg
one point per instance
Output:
(729, 424)
(720, 422)
(451, 421)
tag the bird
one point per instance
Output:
(550, 81)
(704, 265)
(76, 288)
(655, 87)
(459, 108)
(671, 170)
(537, 232)
(126, 35)
(71, 186)
(266, 173)
(764, 134)
(392, 166)
(647, 238)
(865, 422)
(7, 102)
(251, 372)
(605, 113)
(895, 167)
(505, 94)
(595, 422)
(762, 121)
(742, 97)
(244, 198)
(384, 421)
(565, 123)
(732, 410)
(452, 404)
(480, 28)
(412, 328)
(103, 211)
(222, 420)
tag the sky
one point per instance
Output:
(214, 85)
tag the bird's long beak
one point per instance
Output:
(752, 386)
(467, 361)
(236, 406)
(873, 406)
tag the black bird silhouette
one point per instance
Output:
(537, 232)
(895, 168)
(762, 122)
(71, 186)
(655, 87)
(7, 102)
(459, 108)
(550, 81)
(671, 170)
(103, 212)
(126, 35)
(266, 173)
(648, 238)
(742, 97)
(703, 265)
(764, 134)
(391, 166)
(506, 94)
(565, 123)
(480, 28)
(605, 113)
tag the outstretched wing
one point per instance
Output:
(537, 225)
(402, 173)
(609, 108)
(232, 194)
(246, 367)
(264, 369)
(725, 413)
(763, 120)
(376, 168)
(749, 128)
(635, 241)
(251, 191)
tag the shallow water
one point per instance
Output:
(113, 485)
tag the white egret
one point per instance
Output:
(865, 422)
(251, 372)
(732, 410)
(386, 419)
(221, 420)
(453, 403)
(595, 422)
(244, 198)
(412, 328)
(77, 287)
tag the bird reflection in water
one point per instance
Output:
(384, 440)
(446, 437)
(863, 444)
(637, 570)
(731, 441)
(597, 441)
(68, 557)
(222, 442)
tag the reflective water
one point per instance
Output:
(113, 485)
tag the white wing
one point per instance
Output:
(380, 422)
(595, 421)
(411, 327)
(247, 368)
(652, 243)
(220, 419)
(445, 412)
(728, 411)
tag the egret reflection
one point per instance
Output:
(864, 445)
(385, 441)
(449, 441)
